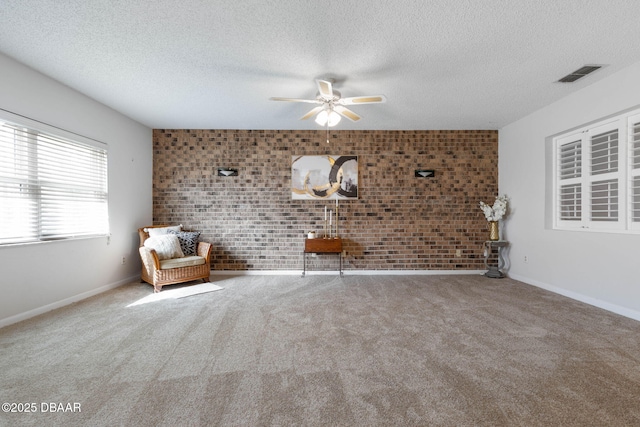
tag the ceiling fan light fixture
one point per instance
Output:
(328, 118)
(331, 105)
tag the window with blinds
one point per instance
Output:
(51, 187)
(597, 176)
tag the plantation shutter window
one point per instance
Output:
(51, 187)
(596, 176)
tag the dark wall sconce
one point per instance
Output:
(227, 172)
(425, 173)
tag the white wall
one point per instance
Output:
(37, 277)
(602, 269)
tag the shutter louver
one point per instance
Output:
(635, 147)
(571, 202)
(635, 199)
(570, 195)
(571, 160)
(604, 160)
(604, 153)
(52, 188)
(604, 200)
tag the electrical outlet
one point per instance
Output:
(124, 260)
(526, 259)
(344, 254)
(458, 253)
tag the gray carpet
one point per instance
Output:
(325, 350)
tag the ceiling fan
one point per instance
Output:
(332, 105)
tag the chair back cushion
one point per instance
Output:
(144, 232)
(188, 241)
(167, 246)
(159, 231)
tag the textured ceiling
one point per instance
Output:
(442, 64)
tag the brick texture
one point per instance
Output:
(399, 222)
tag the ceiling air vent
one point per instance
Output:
(580, 73)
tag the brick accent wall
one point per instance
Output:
(399, 222)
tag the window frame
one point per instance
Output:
(44, 135)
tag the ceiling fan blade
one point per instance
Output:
(371, 99)
(312, 113)
(309, 101)
(325, 88)
(346, 113)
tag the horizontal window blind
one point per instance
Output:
(50, 187)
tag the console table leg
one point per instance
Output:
(304, 263)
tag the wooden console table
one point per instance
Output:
(321, 246)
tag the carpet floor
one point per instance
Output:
(325, 351)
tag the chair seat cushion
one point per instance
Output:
(181, 262)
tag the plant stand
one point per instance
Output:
(495, 270)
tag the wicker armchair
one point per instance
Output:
(179, 270)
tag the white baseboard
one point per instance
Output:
(345, 272)
(58, 304)
(614, 308)
(413, 272)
